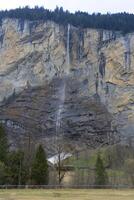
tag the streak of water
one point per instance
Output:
(62, 92)
(68, 46)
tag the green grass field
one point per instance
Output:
(66, 194)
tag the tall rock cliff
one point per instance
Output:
(64, 79)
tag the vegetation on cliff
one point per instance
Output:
(120, 21)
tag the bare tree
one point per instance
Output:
(62, 151)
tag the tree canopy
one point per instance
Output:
(3, 144)
(120, 21)
(40, 167)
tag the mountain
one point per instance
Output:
(63, 79)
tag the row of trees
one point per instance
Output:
(120, 21)
(113, 165)
(17, 169)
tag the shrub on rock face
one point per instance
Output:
(39, 171)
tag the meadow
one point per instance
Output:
(66, 194)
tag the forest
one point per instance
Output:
(123, 22)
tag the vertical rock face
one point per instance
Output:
(99, 80)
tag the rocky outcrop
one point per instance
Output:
(96, 67)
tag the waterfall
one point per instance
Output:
(127, 56)
(68, 45)
(60, 108)
(62, 92)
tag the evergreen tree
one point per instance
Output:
(39, 170)
(2, 173)
(3, 144)
(120, 21)
(15, 169)
(100, 173)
